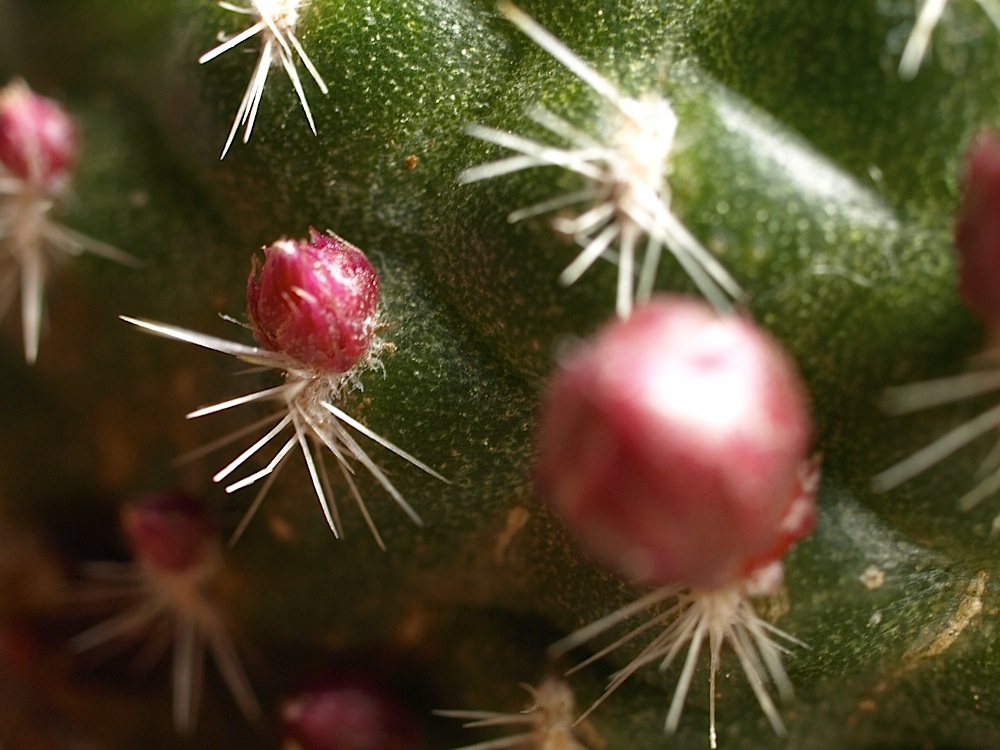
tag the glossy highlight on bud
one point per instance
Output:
(39, 142)
(315, 301)
(672, 445)
(675, 446)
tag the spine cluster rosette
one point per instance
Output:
(39, 146)
(313, 304)
(314, 300)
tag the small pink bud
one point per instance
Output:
(170, 530)
(977, 231)
(315, 301)
(38, 139)
(672, 446)
(347, 711)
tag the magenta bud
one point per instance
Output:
(347, 711)
(977, 231)
(38, 139)
(673, 445)
(797, 523)
(315, 301)
(170, 530)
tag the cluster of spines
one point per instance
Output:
(586, 449)
(170, 596)
(928, 17)
(625, 194)
(313, 306)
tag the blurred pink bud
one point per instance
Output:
(977, 231)
(38, 139)
(169, 530)
(315, 301)
(347, 711)
(797, 523)
(674, 446)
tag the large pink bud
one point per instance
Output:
(38, 139)
(315, 301)
(977, 231)
(675, 446)
(170, 531)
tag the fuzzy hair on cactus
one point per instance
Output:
(547, 723)
(818, 173)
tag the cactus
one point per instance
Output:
(825, 184)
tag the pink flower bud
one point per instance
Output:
(38, 139)
(797, 523)
(977, 231)
(315, 301)
(170, 530)
(672, 446)
(347, 711)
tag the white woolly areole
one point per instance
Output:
(549, 723)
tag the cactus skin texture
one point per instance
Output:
(827, 185)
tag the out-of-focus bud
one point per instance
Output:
(38, 139)
(977, 232)
(673, 446)
(169, 531)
